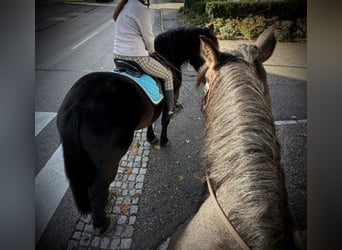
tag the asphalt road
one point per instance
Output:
(72, 40)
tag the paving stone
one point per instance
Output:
(131, 184)
(135, 201)
(85, 239)
(139, 185)
(104, 243)
(115, 243)
(136, 164)
(127, 200)
(132, 220)
(131, 177)
(119, 229)
(122, 219)
(88, 228)
(80, 226)
(118, 200)
(77, 235)
(95, 242)
(142, 171)
(145, 159)
(134, 209)
(124, 192)
(128, 232)
(124, 179)
(140, 178)
(124, 186)
(132, 191)
(118, 184)
(126, 243)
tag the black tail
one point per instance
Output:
(79, 168)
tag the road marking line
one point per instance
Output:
(50, 187)
(99, 29)
(290, 122)
(84, 40)
(42, 119)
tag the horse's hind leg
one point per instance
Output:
(107, 162)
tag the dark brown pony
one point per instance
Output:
(241, 155)
(174, 48)
(97, 120)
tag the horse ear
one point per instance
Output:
(266, 43)
(209, 52)
(211, 29)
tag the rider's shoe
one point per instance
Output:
(177, 109)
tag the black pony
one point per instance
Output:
(174, 48)
(99, 115)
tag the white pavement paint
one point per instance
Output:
(50, 187)
(84, 40)
(290, 122)
(51, 183)
(98, 30)
(41, 120)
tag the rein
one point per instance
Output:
(164, 60)
(225, 219)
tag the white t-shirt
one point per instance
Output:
(133, 30)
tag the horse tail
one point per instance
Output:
(79, 168)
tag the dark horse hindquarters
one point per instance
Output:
(96, 122)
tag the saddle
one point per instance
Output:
(130, 67)
(146, 82)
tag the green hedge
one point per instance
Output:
(287, 10)
(246, 19)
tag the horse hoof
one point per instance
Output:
(154, 141)
(165, 143)
(111, 226)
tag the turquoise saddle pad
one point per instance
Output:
(148, 84)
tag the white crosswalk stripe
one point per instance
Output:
(51, 183)
(42, 119)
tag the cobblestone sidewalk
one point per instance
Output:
(125, 192)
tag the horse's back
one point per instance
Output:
(103, 104)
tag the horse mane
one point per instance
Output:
(242, 154)
(181, 33)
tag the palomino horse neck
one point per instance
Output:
(241, 154)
